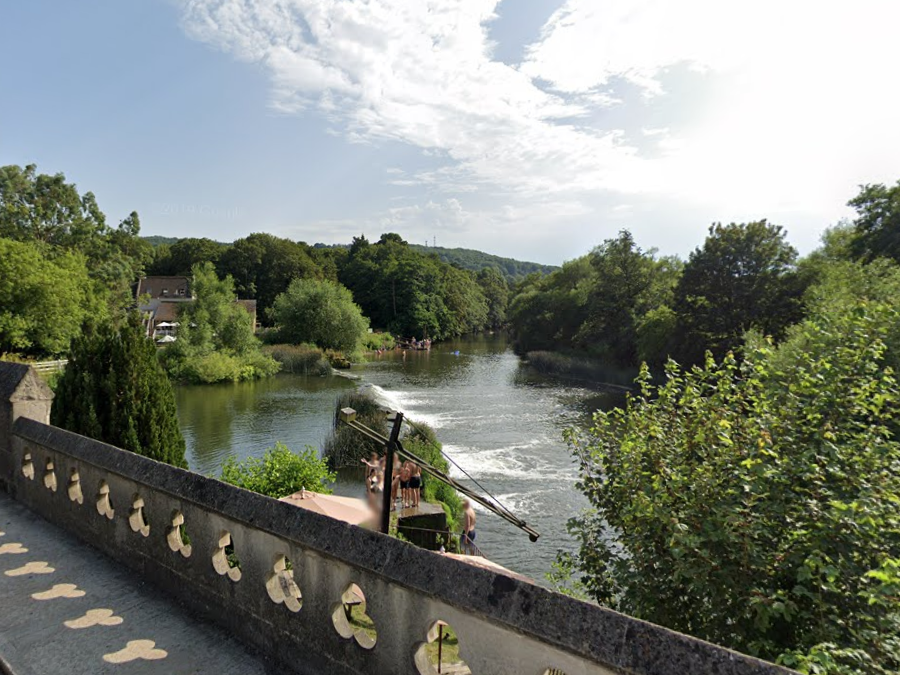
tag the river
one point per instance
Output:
(501, 422)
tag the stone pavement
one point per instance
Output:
(66, 608)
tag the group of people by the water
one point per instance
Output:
(406, 482)
(406, 488)
(403, 345)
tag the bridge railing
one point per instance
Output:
(316, 595)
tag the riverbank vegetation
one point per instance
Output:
(751, 499)
(215, 341)
(302, 359)
(319, 312)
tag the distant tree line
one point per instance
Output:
(396, 287)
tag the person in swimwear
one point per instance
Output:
(415, 484)
(467, 539)
(405, 475)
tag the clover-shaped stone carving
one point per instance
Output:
(74, 488)
(104, 501)
(281, 586)
(350, 618)
(136, 518)
(27, 466)
(50, 476)
(177, 536)
(225, 560)
(440, 651)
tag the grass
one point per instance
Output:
(299, 359)
(449, 650)
(361, 621)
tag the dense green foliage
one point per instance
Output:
(476, 261)
(114, 389)
(60, 262)
(756, 504)
(877, 226)
(215, 339)
(742, 278)
(345, 447)
(179, 257)
(622, 306)
(299, 359)
(263, 266)
(46, 296)
(410, 294)
(321, 313)
(279, 472)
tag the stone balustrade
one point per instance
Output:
(288, 582)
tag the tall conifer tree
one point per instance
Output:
(115, 390)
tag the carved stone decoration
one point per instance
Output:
(178, 540)
(225, 562)
(281, 585)
(136, 518)
(104, 502)
(50, 476)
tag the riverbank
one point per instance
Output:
(581, 369)
(500, 420)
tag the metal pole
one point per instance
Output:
(440, 646)
(389, 472)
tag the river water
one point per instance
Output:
(501, 422)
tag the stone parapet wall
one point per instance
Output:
(286, 600)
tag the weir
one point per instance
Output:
(301, 574)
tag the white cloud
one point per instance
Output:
(803, 106)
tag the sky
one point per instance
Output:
(533, 129)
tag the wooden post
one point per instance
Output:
(389, 472)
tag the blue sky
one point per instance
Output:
(525, 128)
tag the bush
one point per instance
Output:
(345, 446)
(218, 366)
(375, 341)
(422, 441)
(755, 505)
(279, 472)
(300, 359)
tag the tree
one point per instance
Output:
(321, 313)
(47, 295)
(114, 390)
(279, 472)
(877, 225)
(742, 278)
(180, 257)
(496, 294)
(48, 210)
(755, 505)
(215, 337)
(263, 266)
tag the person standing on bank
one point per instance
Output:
(415, 484)
(468, 534)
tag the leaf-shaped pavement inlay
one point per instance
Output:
(59, 591)
(137, 649)
(12, 549)
(38, 567)
(95, 617)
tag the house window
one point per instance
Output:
(165, 292)
(181, 292)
